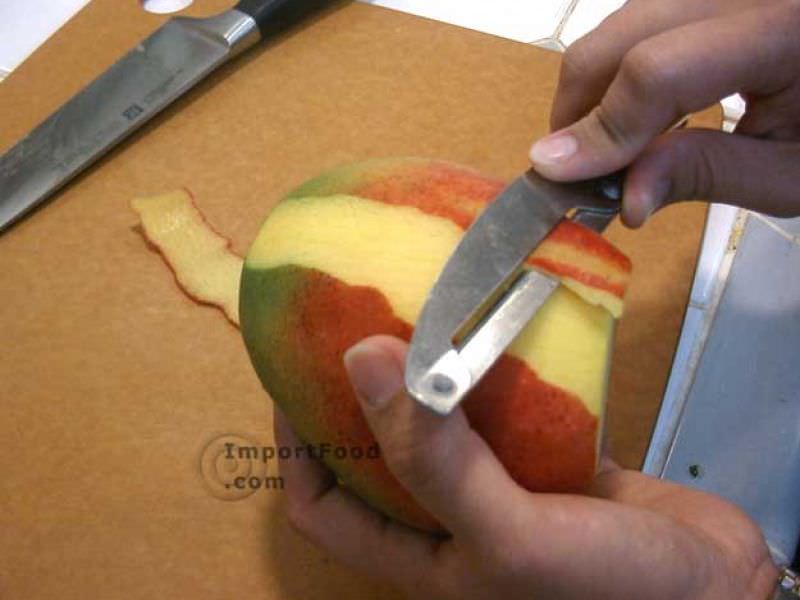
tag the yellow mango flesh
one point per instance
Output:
(399, 250)
(199, 257)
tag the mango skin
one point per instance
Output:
(297, 321)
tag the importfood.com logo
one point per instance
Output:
(233, 467)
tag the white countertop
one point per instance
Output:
(26, 25)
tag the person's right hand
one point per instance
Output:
(632, 537)
(653, 62)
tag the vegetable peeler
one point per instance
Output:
(485, 294)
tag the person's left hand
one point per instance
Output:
(634, 537)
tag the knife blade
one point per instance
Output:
(484, 296)
(137, 87)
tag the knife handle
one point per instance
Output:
(275, 16)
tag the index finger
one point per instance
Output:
(591, 63)
(670, 75)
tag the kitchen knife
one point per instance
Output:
(146, 80)
(484, 296)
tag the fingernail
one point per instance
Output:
(553, 149)
(374, 374)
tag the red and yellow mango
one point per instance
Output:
(354, 253)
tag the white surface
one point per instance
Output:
(163, 7)
(521, 21)
(587, 15)
(25, 24)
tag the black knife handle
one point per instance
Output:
(275, 16)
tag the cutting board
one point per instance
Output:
(118, 392)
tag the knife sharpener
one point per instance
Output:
(730, 419)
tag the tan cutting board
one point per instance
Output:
(113, 383)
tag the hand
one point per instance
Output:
(634, 538)
(653, 62)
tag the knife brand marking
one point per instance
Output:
(133, 111)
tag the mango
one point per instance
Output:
(354, 252)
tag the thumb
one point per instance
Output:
(753, 173)
(588, 148)
(441, 461)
